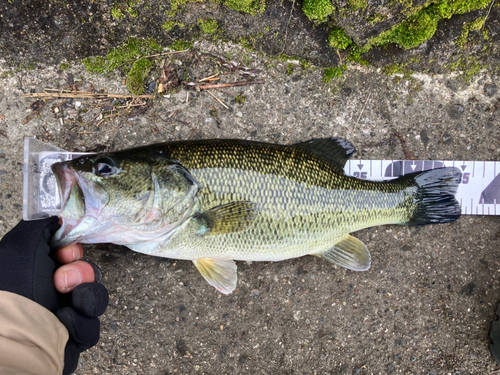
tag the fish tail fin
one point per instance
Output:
(435, 197)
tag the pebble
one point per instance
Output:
(490, 90)
(456, 111)
(78, 105)
(239, 114)
(151, 86)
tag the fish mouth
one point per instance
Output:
(82, 201)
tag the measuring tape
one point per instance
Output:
(478, 192)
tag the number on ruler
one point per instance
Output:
(465, 178)
(360, 174)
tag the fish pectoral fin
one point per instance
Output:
(228, 218)
(219, 272)
(337, 150)
(350, 253)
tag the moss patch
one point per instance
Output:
(317, 10)
(208, 26)
(119, 56)
(357, 4)
(127, 57)
(137, 75)
(181, 45)
(64, 66)
(338, 39)
(422, 25)
(248, 6)
(331, 73)
(475, 25)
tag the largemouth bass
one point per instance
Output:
(216, 201)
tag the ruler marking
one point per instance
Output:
(483, 205)
(392, 168)
(484, 168)
(495, 205)
(489, 210)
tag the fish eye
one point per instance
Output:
(104, 167)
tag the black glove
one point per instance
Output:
(27, 268)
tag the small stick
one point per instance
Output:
(131, 105)
(210, 77)
(206, 87)
(362, 110)
(216, 98)
(83, 95)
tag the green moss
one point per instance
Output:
(117, 13)
(168, 25)
(474, 25)
(248, 6)
(331, 73)
(248, 43)
(64, 66)
(175, 6)
(137, 75)
(375, 18)
(423, 24)
(289, 69)
(97, 64)
(181, 45)
(338, 39)
(397, 68)
(317, 10)
(357, 4)
(240, 99)
(124, 57)
(208, 26)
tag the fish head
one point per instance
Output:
(121, 198)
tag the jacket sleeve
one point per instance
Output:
(32, 339)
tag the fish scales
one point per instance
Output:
(216, 201)
(304, 202)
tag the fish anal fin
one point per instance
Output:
(337, 150)
(350, 253)
(228, 218)
(219, 272)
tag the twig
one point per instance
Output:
(362, 110)
(340, 57)
(131, 105)
(287, 25)
(161, 54)
(83, 95)
(209, 78)
(489, 10)
(206, 87)
(216, 98)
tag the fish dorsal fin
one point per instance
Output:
(336, 150)
(350, 253)
(219, 272)
(228, 218)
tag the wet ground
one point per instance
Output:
(425, 306)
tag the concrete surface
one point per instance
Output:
(425, 306)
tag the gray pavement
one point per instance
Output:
(425, 306)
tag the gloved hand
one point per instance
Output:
(27, 268)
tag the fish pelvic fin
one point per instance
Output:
(349, 253)
(228, 218)
(435, 198)
(219, 272)
(336, 150)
